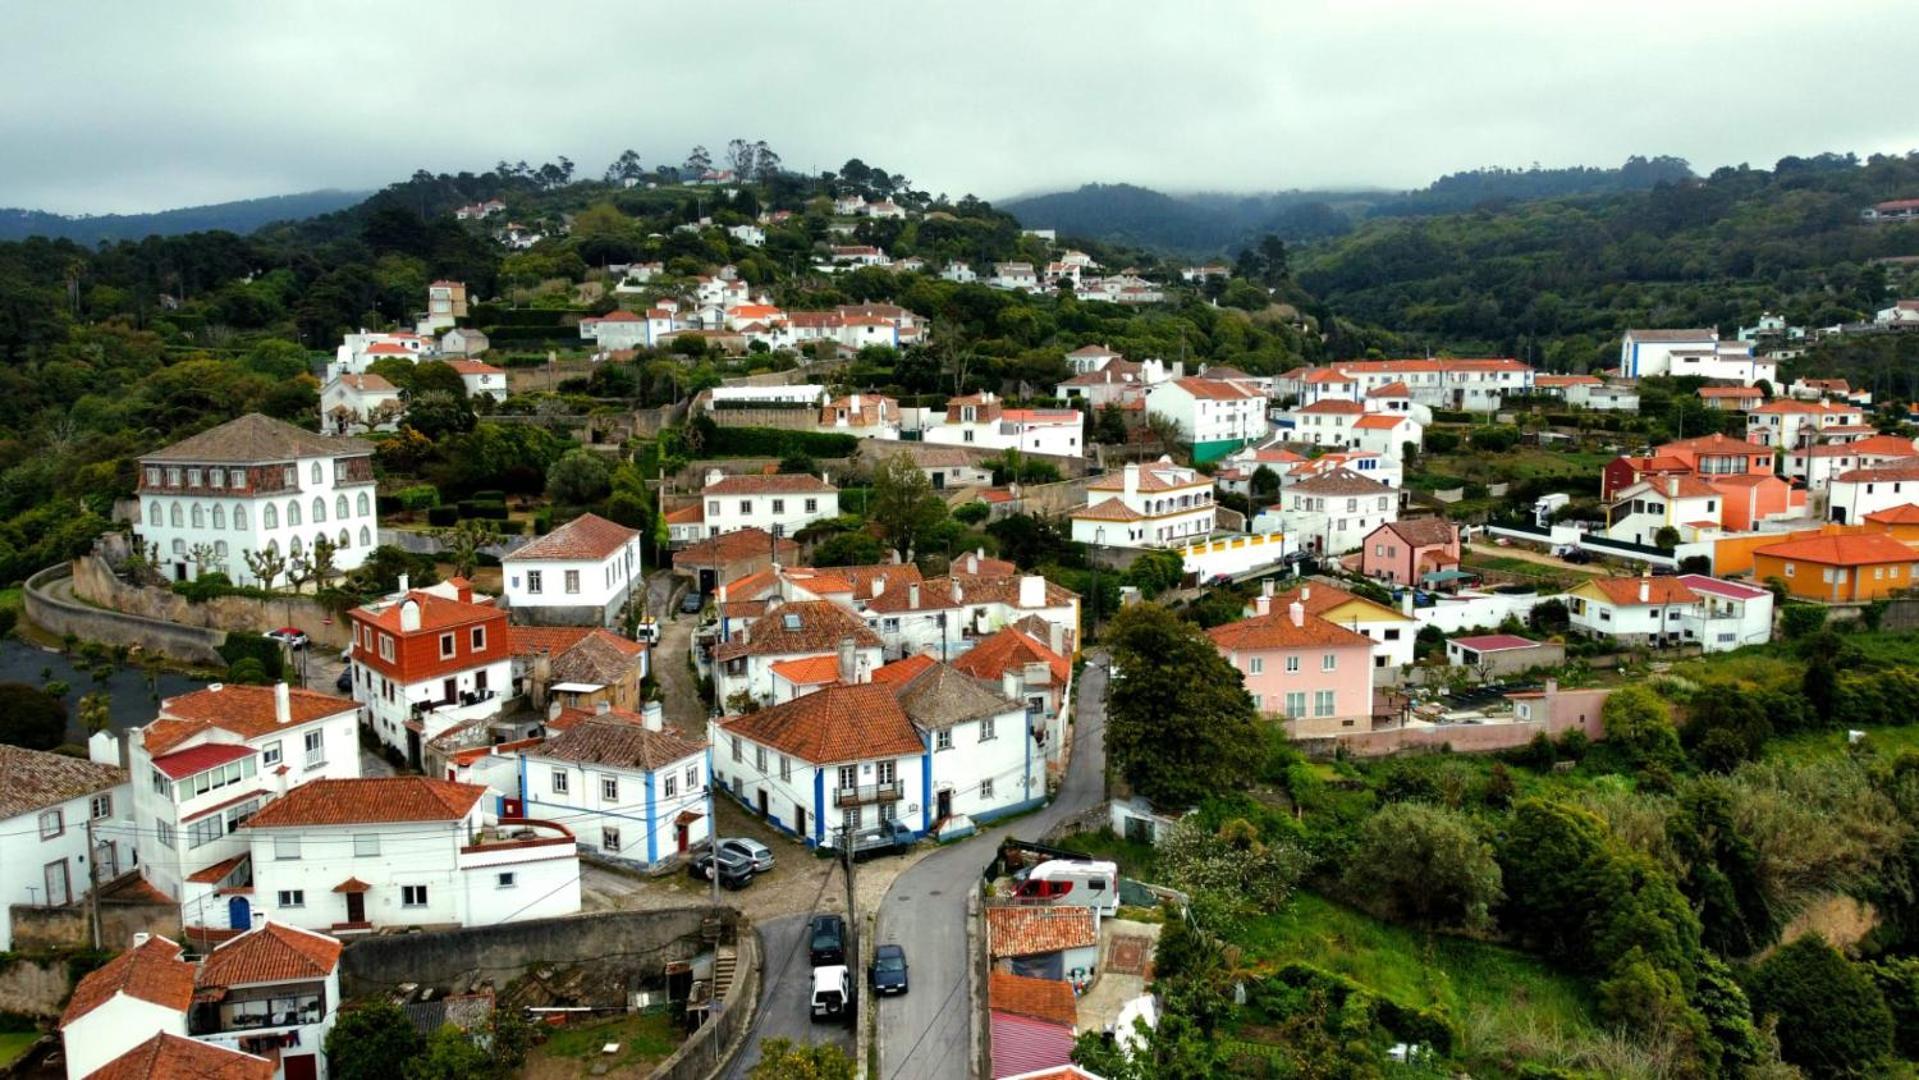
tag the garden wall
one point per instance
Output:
(50, 605)
(95, 582)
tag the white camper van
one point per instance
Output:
(1068, 881)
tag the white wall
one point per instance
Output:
(601, 584)
(730, 513)
(361, 523)
(114, 1028)
(642, 808)
(25, 856)
(1465, 611)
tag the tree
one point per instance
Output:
(265, 565)
(903, 504)
(698, 161)
(578, 478)
(432, 376)
(450, 1054)
(1229, 872)
(783, 1059)
(1265, 482)
(368, 1042)
(1638, 721)
(325, 569)
(1832, 1019)
(1180, 725)
(95, 712)
(1110, 426)
(461, 544)
(625, 167)
(437, 414)
(1427, 864)
(31, 717)
(855, 548)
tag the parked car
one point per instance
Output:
(889, 970)
(647, 631)
(755, 853)
(691, 603)
(291, 636)
(735, 872)
(826, 938)
(887, 836)
(344, 683)
(832, 992)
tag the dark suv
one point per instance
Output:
(826, 936)
(736, 871)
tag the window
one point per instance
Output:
(238, 476)
(759, 758)
(779, 506)
(944, 740)
(812, 506)
(572, 582)
(478, 639)
(286, 846)
(100, 806)
(506, 880)
(693, 777)
(319, 509)
(219, 516)
(153, 477)
(1391, 635)
(610, 789)
(609, 838)
(413, 896)
(1323, 703)
(340, 506)
(316, 749)
(386, 646)
(986, 789)
(163, 832)
(360, 506)
(746, 506)
(176, 518)
(240, 516)
(366, 846)
(366, 538)
(447, 648)
(293, 512)
(1256, 666)
(559, 781)
(669, 786)
(1292, 665)
(986, 729)
(713, 508)
(1296, 704)
(786, 771)
(205, 831)
(1329, 662)
(293, 898)
(52, 824)
(270, 516)
(533, 582)
(162, 786)
(1788, 569)
(736, 749)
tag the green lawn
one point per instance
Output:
(1816, 744)
(644, 1040)
(1503, 1000)
(10, 599)
(15, 1043)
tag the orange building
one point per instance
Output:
(1900, 522)
(1839, 569)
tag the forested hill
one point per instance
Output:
(241, 217)
(1558, 279)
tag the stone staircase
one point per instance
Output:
(725, 967)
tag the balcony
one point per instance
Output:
(859, 794)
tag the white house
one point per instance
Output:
(750, 235)
(1473, 384)
(1158, 504)
(960, 273)
(1862, 492)
(1369, 464)
(785, 503)
(1685, 504)
(445, 303)
(1603, 398)
(983, 420)
(481, 379)
(1691, 609)
(49, 806)
(855, 255)
(353, 856)
(1215, 415)
(1387, 434)
(463, 341)
(1644, 353)
(580, 574)
(625, 786)
(273, 991)
(357, 352)
(1789, 424)
(785, 631)
(210, 760)
(1816, 466)
(256, 484)
(628, 329)
(1091, 358)
(140, 994)
(1902, 313)
(1333, 513)
(350, 404)
(1014, 275)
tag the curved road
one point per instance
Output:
(927, 1034)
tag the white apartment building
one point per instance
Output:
(1644, 353)
(786, 503)
(209, 761)
(49, 805)
(481, 379)
(583, 573)
(256, 484)
(1816, 466)
(982, 420)
(1789, 424)
(1860, 493)
(1473, 385)
(353, 856)
(445, 305)
(1215, 415)
(273, 991)
(627, 788)
(1158, 504)
(351, 404)
(1333, 513)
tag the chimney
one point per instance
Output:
(1056, 638)
(1305, 592)
(653, 717)
(1406, 603)
(972, 563)
(403, 584)
(714, 476)
(1298, 611)
(409, 616)
(1672, 486)
(1262, 605)
(464, 593)
(1266, 587)
(141, 938)
(282, 704)
(553, 709)
(1010, 683)
(1130, 485)
(601, 708)
(913, 595)
(879, 584)
(722, 594)
(1032, 591)
(959, 594)
(1645, 589)
(849, 662)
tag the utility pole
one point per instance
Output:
(853, 935)
(93, 881)
(712, 837)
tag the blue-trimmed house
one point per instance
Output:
(625, 786)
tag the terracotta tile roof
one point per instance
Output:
(528, 640)
(838, 723)
(1673, 487)
(687, 515)
(1907, 514)
(1902, 469)
(167, 1055)
(1340, 482)
(1153, 476)
(1868, 549)
(368, 800)
(757, 585)
(151, 972)
(1424, 531)
(601, 657)
(1112, 509)
(367, 382)
(255, 439)
(620, 739)
(474, 367)
(1710, 445)
(212, 874)
(1493, 642)
(275, 952)
(1739, 392)
(198, 759)
(246, 711)
(942, 696)
(1380, 421)
(588, 537)
(1674, 335)
(1030, 931)
(1320, 598)
(1700, 583)
(1391, 389)
(436, 613)
(975, 564)
(1794, 405)
(1010, 648)
(776, 484)
(1276, 630)
(1333, 407)
(902, 671)
(809, 670)
(1327, 375)
(1217, 390)
(803, 627)
(1550, 381)
(864, 578)
(1050, 1000)
(1885, 446)
(1624, 591)
(35, 779)
(1738, 480)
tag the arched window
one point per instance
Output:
(219, 516)
(340, 508)
(199, 516)
(345, 540)
(294, 548)
(366, 537)
(176, 517)
(239, 515)
(293, 511)
(319, 509)
(179, 546)
(362, 505)
(270, 517)
(155, 515)
(317, 475)
(220, 550)
(273, 546)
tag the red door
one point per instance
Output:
(300, 1067)
(680, 836)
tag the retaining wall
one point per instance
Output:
(35, 986)
(61, 615)
(96, 583)
(39, 927)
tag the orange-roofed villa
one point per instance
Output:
(1839, 569)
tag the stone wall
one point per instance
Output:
(96, 583)
(50, 605)
(39, 927)
(35, 986)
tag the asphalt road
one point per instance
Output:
(927, 1034)
(786, 996)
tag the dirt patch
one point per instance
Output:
(1841, 920)
(577, 1050)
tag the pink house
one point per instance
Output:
(1314, 673)
(1562, 710)
(1403, 551)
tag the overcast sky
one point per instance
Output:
(110, 106)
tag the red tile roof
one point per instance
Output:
(368, 800)
(528, 640)
(1051, 1000)
(246, 711)
(275, 952)
(1009, 648)
(1868, 549)
(687, 515)
(474, 367)
(1276, 630)
(1886, 446)
(1217, 389)
(902, 671)
(777, 484)
(36, 779)
(799, 628)
(198, 759)
(1424, 531)
(1112, 509)
(152, 972)
(1624, 591)
(588, 537)
(734, 546)
(1493, 642)
(212, 874)
(1029, 931)
(1379, 422)
(620, 739)
(436, 613)
(172, 1056)
(1900, 469)
(1907, 514)
(839, 723)
(809, 670)
(1333, 407)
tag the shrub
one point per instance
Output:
(1832, 1019)
(417, 497)
(1799, 620)
(31, 717)
(262, 650)
(442, 516)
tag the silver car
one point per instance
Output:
(752, 850)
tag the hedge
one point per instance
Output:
(417, 497)
(442, 516)
(773, 442)
(497, 315)
(485, 509)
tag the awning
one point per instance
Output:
(688, 817)
(352, 885)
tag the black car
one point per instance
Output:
(826, 936)
(889, 970)
(735, 872)
(691, 603)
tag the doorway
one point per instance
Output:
(944, 805)
(355, 907)
(239, 913)
(681, 836)
(762, 801)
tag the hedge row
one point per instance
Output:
(773, 442)
(498, 315)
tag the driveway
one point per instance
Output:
(927, 1034)
(679, 687)
(786, 996)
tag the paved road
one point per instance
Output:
(927, 1034)
(786, 995)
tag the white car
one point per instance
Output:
(291, 636)
(832, 991)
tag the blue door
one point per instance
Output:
(239, 916)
